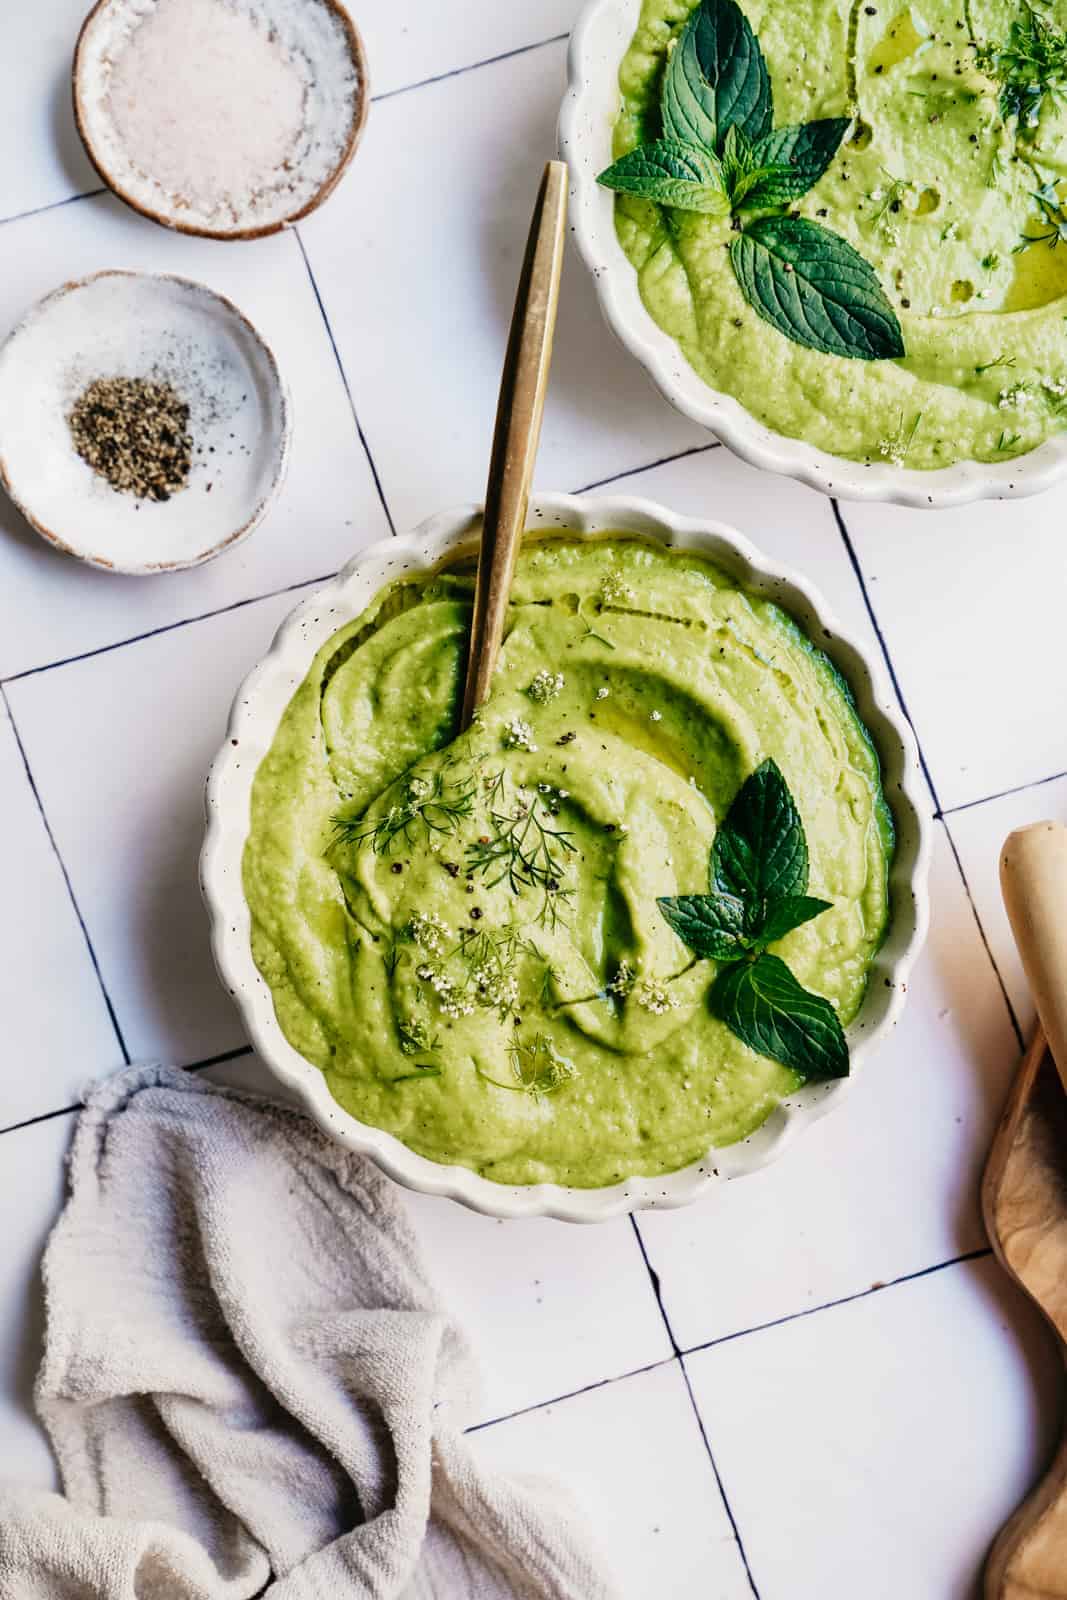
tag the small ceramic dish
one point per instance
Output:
(263, 698)
(133, 325)
(590, 108)
(313, 78)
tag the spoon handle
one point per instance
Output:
(517, 431)
(1033, 881)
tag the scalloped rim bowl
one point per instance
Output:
(254, 719)
(599, 41)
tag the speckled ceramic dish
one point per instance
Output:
(324, 57)
(598, 43)
(122, 324)
(259, 706)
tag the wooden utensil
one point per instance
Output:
(518, 430)
(1024, 1191)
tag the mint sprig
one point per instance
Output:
(758, 894)
(716, 79)
(721, 155)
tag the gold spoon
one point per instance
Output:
(517, 431)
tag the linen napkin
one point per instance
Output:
(249, 1385)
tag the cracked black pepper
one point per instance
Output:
(134, 433)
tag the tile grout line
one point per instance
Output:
(66, 875)
(165, 627)
(718, 1477)
(1002, 794)
(982, 933)
(938, 813)
(572, 1394)
(192, 1066)
(850, 550)
(42, 1116)
(470, 66)
(978, 1254)
(657, 1291)
(344, 379)
(650, 466)
(53, 205)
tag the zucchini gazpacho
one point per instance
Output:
(539, 948)
(848, 214)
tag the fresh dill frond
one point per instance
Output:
(432, 803)
(1008, 440)
(523, 847)
(1030, 64)
(1001, 361)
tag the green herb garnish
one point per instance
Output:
(419, 1074)
(759, 879)
(721, 155)
(433, 804)
(1029, 66)
(538, 1066)
(523, 847)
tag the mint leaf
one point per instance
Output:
(816, 289)
(673, 173)
(760, 852)
(782, 916)
(789, 161)
(764, 1005)
(716, 78)
(712, 925)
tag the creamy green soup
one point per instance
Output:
(952, 196)
(527, 1012)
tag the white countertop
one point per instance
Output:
(818, 1382)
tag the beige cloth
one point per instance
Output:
(250, 1386)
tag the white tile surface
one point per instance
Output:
(633, 1456)
(56, 1028)
(976, 668)
(875, 1449)
(406, 46)
(31, 1192)
(885, 1186)
(422, 343)
(41, 158)
(51, 606)
(979, 833)
(551, 1307)
(916, 1414)
(120, 745)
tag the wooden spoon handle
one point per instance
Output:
(1033, 881)
(518, 430)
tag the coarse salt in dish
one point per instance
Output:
(231, 118)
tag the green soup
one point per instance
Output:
(935, 186)
(462, 932)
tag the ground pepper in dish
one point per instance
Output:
(134, 433)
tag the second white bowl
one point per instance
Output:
(599, 41)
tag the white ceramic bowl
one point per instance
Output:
(133, 324)
(590, 108)
(326, 51)
(256, 712)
